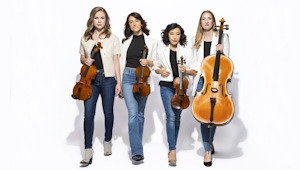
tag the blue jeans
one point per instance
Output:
(105, 87)
(204, 128)
(136, 108)
(173, 116)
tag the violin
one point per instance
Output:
(180, 100)
(213, 106)
(141, 88)
(83, 89)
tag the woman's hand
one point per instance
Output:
(118, 89)
(88, 61)
(182, 69)
(144, 62)
(220, 47)
(164, 73)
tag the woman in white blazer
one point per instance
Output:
(136, 36)
(206, 43)
(166, 65)
(107, 81)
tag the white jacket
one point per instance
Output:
(199, 55)
(163, 61)
(152, 50)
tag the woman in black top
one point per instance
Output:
(136, 34)
(206, 43)
(166, 65)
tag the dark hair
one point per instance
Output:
(128, 32)
(165, 34)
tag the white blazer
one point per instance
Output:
(163, 61)
(199, 55)
(152, 50)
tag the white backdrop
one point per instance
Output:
(44, 129)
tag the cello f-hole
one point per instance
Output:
(206, 89)
(223, 90)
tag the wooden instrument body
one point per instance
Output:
(223, 108)
(141, 87)
(83, 89)
(180, 100)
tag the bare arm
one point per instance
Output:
(118, 75)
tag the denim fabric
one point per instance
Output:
(173, 116)
(204, 128)
(136, 108)
(105, 87)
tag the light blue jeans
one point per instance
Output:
(173, 116)
(136, 108)
(204, 128)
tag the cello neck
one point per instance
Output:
(217, 61)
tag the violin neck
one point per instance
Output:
(181, 80)
(142, 72)
(217, 62)
(142, 68)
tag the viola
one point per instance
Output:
(213, 106)
(141, 88)
(180, 100)
(83, 88)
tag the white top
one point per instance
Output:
(110, 47)
(152, 50)
(199, 54)
(163, 60)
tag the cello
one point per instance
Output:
(141, 88)
(83, 89)
(180, 100)
(213, 106)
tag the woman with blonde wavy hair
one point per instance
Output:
(107, 82)
(206, 43)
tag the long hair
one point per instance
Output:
(128, 32)
(165, 34)
(199, 34)
(90, 26)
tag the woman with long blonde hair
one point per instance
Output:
(107, 82)
(206, 43)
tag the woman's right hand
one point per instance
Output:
(164, 73)
(88, 61)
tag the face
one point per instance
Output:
(135, 25)
(207, 21)
(174, 36)
(99, 20)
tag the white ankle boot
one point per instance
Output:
(88, 157)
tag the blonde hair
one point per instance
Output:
(199, 34)
(90, 26)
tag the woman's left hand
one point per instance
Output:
(118, 89)
(143, 62)
(219, 47)
(182, 68)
